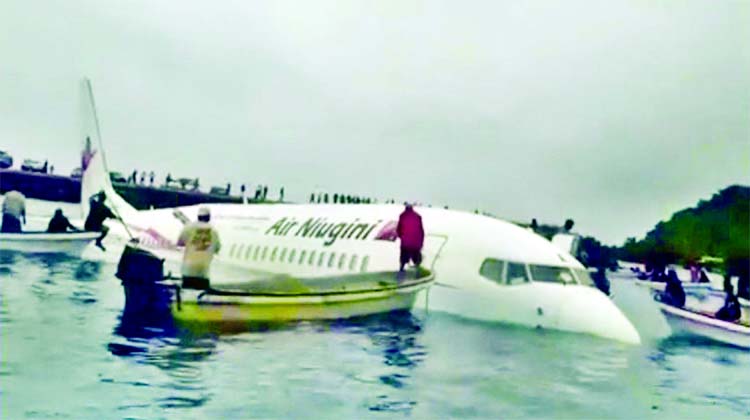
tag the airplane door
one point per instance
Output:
(433, 246)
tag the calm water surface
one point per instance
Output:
(65, 352)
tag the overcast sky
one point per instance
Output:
(615, 113)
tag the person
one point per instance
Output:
(568, 225)
(600, 279)
(703, 277)
(673, 293)
(98, 213)
(14, 212)
(731, 311)
(59, 223)
(201, 242)
(151, 176)
(281, 194)
(411, 233)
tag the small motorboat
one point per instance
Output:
(275, 299)
(43, 242)
(704, 324)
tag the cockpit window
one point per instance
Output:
(516, 273)
(492, 270)
(584, 277)
(550, 274)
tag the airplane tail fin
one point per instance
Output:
(94, 172)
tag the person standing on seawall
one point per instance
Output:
(411, 233)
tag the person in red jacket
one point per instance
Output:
(411, 234)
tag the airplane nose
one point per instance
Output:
(590, 311)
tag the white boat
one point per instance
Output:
(485, 268)
(43, 242)
(291, 299)
(684, 321)
(660, 285)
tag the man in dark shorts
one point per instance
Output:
(98, 213)
(411, 233)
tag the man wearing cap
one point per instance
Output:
(201, 242)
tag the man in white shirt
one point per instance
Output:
(14, 212)
(201, 242)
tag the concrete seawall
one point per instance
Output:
(63, 188)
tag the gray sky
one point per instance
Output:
(615, 114)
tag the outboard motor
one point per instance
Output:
(141, 273)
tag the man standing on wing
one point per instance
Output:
(411, 233)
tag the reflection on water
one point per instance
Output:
(63, 335)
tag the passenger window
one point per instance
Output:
(492, 269)
(232, 250)
(302, 256)
(341, 261)
(292, 253)
(256, 253)
(283, 255)
(331, 259)
(353, 263)
(265, 252)
(311, 261)
(365, 262)
(321, 258)
(248, 252)
(273, 253)
(550, 274)
(516, 273)
(239, 251)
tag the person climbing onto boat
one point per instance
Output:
(673, 293)
(411, 233)
(98, 213)
(201, 242)
(60, 224)
(14, 212)
(731, 311)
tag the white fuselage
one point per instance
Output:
(324, 240)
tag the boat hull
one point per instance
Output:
(41, 242)
(688, 322)
(249, 309)
(283, 298)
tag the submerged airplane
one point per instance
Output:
(485, 268)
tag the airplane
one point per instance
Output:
(485, 268)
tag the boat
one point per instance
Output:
(485, 268)
(660, 285)
(704, 324)
(43, 242)
(276, 299)
(291, 299)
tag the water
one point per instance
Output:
(67, 354)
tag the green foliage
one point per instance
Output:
(719, 227)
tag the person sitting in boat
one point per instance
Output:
(14, 212)
(98, 213)
(60, 224)
(673, 293)
(731, 311)
(201, 242)
(411, 233)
